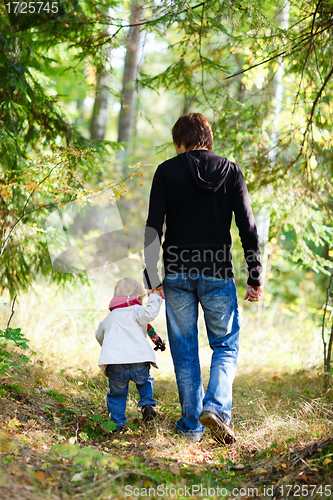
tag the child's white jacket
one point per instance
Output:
(123, 334)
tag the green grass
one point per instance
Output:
(55, 395)
(276, 422)
(282, 417)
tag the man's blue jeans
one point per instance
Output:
(218, 299)
(119, 378)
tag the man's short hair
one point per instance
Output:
(194, 131)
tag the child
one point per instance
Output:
(126, 354)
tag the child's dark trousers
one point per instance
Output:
(119, 378)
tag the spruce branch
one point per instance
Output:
(302, 43)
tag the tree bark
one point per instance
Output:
(100, 112)
(130, 72)
(327, 350)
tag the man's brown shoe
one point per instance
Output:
(220, 431)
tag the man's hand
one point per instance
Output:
(253, 293)
(159, 291)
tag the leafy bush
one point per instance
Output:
(14, 337)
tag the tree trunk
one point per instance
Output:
(327, 349)
(130, 71)
(264, 216)
(100, 113)
(263, 219)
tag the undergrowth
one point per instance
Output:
(54, 442)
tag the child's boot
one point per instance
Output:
(119, 429)
(148, 413)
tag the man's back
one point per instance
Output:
(196, 192)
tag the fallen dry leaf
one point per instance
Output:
(15, 471)
(41, 476)
(14, 423)
(174, 468)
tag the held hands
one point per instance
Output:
(159, 291)
(253, 293)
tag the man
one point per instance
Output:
(196, 193)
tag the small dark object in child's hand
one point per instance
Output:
(159, 344)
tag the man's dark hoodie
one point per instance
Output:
(195, 194)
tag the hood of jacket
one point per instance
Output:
(207, 169)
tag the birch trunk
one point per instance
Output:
(100, 112)
(263, 219)
(130, 72)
